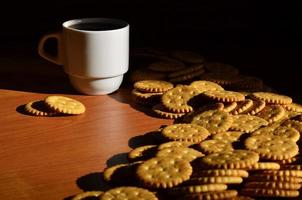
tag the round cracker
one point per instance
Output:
(203, 86)
(129, 193)
(242, 106)
(229, 106)
(237, 159)
(269, 97)
(274, 185)
(264, 192)
(214, 121)
(222, 172)
(65, 105)
(214, 146)
(164, 172)
(272, 147)
(185, 132)
(214, 179)
(181, 153)
(39, 108)
(257, 106)
(163, 112)
(247, 123)
(153, 86)
(272, 113)
(224, 96)
(176, 99)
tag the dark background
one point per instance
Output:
(261, 38)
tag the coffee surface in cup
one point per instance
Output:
(96, 26)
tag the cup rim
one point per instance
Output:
(69, 23)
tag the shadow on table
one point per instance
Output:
(149, 138)
(95, 181)
(23, 71)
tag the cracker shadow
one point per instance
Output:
(149, 138)
(116, 159)
(92, 182)
(21, 109)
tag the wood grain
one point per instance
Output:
(57, 157)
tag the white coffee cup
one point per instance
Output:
(94, 53)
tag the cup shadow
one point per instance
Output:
(27, 72)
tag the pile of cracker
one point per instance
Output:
(181, 71)
(232, 146)
(232, 138)
(183, 67)
(54, 106)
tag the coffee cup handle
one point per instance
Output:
(57, 59)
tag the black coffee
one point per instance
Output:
(96, 26)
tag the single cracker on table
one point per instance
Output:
(65, 105)
(185, 132)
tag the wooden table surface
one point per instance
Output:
(58, 157)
